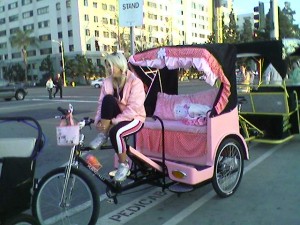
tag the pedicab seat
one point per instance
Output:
(16, 174)
(184, 143)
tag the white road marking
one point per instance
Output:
(65, 100)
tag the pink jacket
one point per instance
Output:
(132, 103)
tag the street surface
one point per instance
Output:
(268, 193)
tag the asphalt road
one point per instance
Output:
(268, 193)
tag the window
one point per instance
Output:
(27, 14)
(98, 62)
(95, 5)
(2, 21)
(12, 5)
(104, 20)
(13, 18)
(104, 6)
(43, 10)
(69, 18)
(45, 37)
(96, 19)
(43, 24)
(60, 35)
(16, 55)
(113, 34)
(88, 47)
(112, 8)
(97, 47)
(87, 32)
(97, 33)
(31, 53)
(14, 30)
(70, 33)
(58, 6)
(86, 17)
(28, 27)
(71, 48)
(68, 3)
(46, 51)
(85, 3)
(105, 34)
(113, 21)
(26, 2)
(2, 8)
(3, 45)
(59, 20)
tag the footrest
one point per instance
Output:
(181, 188)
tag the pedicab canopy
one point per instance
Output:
(275, 52)
(159, 67)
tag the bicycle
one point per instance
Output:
(72, 193)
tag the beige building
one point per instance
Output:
(91, 28)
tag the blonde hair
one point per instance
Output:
(118, 59)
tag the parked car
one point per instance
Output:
(97, 83)
(12, 90)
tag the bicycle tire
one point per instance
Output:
(229, 167)
(84, 204)
(22, 219)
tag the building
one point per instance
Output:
(91, 28)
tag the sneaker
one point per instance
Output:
(98, 141)
(122, 172)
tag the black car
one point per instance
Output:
(12, 90)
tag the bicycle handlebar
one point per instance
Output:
(63, 111)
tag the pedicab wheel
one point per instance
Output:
(229, 166)
(80, 204)
(22, 219)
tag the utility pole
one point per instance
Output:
(274, 24)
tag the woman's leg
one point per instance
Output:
(109, 110)
(117, 135)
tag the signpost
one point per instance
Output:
(131, 15)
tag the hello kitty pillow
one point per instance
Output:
(165, 104)
(191, 114)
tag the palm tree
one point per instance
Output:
(21, 40)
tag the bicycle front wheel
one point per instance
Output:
(79, 205)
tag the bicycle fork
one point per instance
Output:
(65, 198)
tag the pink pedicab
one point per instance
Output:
(187, 139)
(192, 137)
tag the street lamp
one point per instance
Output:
(62, 60)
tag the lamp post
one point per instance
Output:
(62, 60)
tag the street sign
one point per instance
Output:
(130, 13)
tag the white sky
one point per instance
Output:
(246, 6)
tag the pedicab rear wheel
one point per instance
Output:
(229, 167)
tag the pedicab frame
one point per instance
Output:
(272, 110)
(158, 68)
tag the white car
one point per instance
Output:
(97, 83)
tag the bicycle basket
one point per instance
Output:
(67, 135)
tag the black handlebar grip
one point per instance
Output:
(63, 111)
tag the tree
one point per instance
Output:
(47, 66)
(230, 34)
(247, 32)
(14, 73)
(22, 40)
(211, 38)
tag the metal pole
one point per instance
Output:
(132, 46)
(63, 63)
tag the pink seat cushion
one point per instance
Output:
(165, 103)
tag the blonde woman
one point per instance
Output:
(120, 109)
